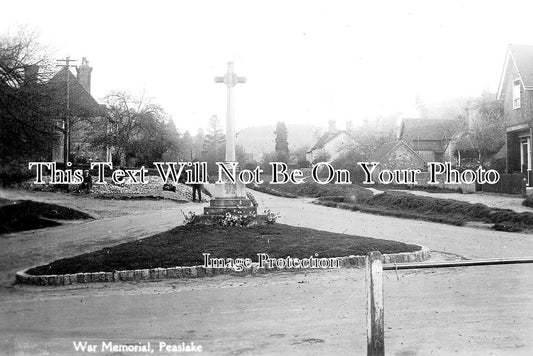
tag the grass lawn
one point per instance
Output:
(313, 189)
(448, 211)
(22, 215)
(156, 195)
(184, 246)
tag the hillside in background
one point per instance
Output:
(451, 108)
(260, 139)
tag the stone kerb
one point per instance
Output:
(195, 271)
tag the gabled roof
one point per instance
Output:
(521, 57)
(462, 141)
(81, 101)
(328, 136)
(382, 151)
(426, 129)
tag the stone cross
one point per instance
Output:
(230, 79)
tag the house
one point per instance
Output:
(84, 112)
(427, 137)
(396, 155)
(331, 144)
(515, 90)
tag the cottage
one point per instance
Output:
(331, 144)
(515, 90)
(83, 110)
(396, 155)
(427, 137)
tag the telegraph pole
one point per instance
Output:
(66, 119)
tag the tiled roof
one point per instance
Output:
(382, 151)
(426, 129)
(81, 103)
(463, 141)
(328, 136)
(523, 57)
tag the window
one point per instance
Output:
(525, 162)
(516, 94)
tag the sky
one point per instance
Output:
(305, 61)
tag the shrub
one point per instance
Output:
(189, 218)
(14, 172)
(315, 190)
(271, 216)
(528, 202)
(439, 210)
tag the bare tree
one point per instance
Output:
(26, 124)
(136, 128)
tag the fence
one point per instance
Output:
(374, 291)
(424, 177)
(514, 183)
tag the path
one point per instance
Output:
(30, 248)
(465, 241)
(480, 309)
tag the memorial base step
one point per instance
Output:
(230, 202)
(222, 210)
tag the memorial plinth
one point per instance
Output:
(221, 206)
(230, 197)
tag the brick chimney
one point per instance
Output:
(84, 74)
(332, 127)
(349, 126)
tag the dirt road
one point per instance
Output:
(474, 311)
(118, 221)
(477, 310)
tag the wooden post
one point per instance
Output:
(375, 323)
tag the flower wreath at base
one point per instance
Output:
(238, 218)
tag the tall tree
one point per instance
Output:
(138, 129)
(214, 140)
(26, 121)
(486, 127)
(198, 144)
(213, 147)
(174, 148)
(300, 155)
(282, 145)
(187, 146)
(241, 156)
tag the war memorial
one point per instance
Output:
(366, 190)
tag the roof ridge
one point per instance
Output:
(326, 137)
(75, 80)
